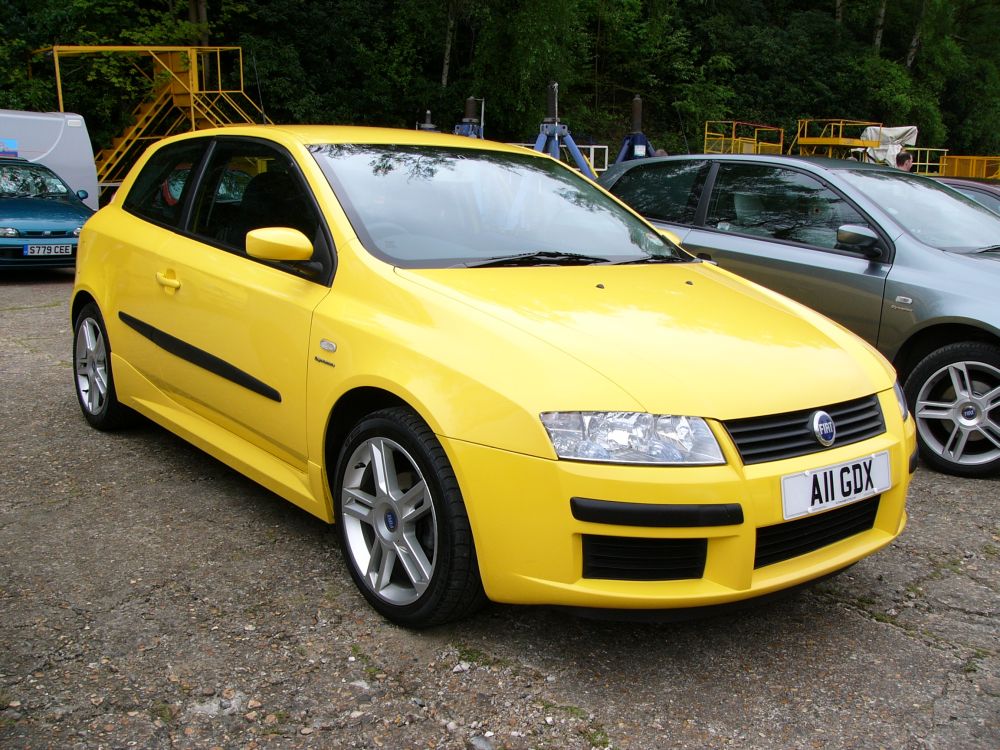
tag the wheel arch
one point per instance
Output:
(929, 339)
(347, 411)
(80, 301)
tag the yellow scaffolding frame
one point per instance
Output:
(981, 167)
(927, 161)
(834, 138)
(735, 137)
(187, 92)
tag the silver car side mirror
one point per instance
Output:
(861, 239)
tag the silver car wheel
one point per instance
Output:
(390, 524)
(957, 411)
(91, 362)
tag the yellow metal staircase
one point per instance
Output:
(191, 88)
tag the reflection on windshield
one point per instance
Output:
(29, 180)
(929, 211)
(425, 206)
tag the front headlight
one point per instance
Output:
(631, 438)
(76, 232)
(9, 232)
(901, 399)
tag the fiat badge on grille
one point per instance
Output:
(823, 428)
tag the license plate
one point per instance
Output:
(832, 486)
(48, 250)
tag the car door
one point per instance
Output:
(778, 226)
(231, 332)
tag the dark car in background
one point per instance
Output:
(985, 193)
(40, 217)
(901, 260)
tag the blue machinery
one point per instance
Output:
(552, 134)
(636, 145)
(471, 125)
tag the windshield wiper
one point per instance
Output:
(539, 258)
(654, 259)
(990, 249)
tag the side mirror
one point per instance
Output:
(82, 194)
(859, 239)
(278, 243)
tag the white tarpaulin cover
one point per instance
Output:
(892, 139)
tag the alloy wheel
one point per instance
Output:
(958, 413)
(91, 362)
(390, 524)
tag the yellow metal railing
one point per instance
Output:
(927, 161)
(735, 137)
(833, 138)
(189, 91)
(981, 167)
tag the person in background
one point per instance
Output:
(904, 161)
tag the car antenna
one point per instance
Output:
(680, 119)
(260, 94)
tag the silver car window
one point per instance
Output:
(780, 204)
(929, 211)
(666, 191)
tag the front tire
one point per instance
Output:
(402, 522)
(954, 393)
(95, 383)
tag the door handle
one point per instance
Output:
(168, 281)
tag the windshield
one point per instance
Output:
(30, 181)
(931, 212)
(422, 206)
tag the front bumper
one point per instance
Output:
(537, 545)
(12, 253)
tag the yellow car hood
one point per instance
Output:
(679, 338)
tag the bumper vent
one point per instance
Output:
(632, 559)
(784, 541)
(778, 436)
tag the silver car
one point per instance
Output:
(905, 262)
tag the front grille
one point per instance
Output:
(784, 541)
(634, 559)
(778, 436)
(46, 235)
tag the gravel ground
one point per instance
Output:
(151, 597)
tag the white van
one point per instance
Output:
(59, 140)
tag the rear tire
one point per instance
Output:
(954, 393)
(402, 522)
(95, 383)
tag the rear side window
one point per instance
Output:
(780, 204)
(160, 189)
(667, 191)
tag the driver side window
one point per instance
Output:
(249, 185)
(780, 204)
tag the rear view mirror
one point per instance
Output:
(859, 239)
(278, 243)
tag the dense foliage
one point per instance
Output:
(930, 63)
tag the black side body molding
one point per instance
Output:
(199, 357)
